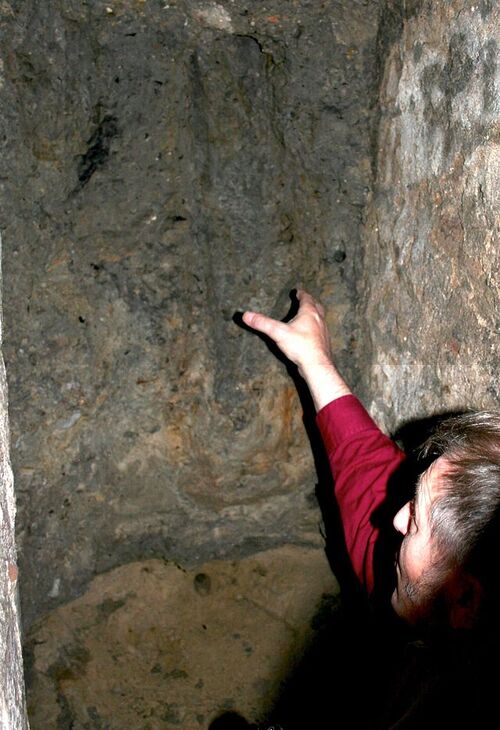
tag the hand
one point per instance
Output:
(306, 342)
(304, 339)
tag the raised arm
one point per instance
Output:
(306, 342)
(361, 457)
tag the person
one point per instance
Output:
(446, 565)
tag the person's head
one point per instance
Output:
(448, 564)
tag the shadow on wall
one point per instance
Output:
(356, 647)
(230, 721)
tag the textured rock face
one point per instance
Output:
(222, 637)
(166, 164)
(12, 707)
(432, 256)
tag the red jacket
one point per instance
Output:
(362, 460)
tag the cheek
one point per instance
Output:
(412, 558)
(405, 560)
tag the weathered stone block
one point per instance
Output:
(432, 249)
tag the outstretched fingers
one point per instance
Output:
(268, 326)
(306, 301)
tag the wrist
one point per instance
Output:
(324, 382)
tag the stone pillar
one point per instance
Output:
(432, 243)
(12, 704)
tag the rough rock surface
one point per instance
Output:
(165, 164)
(219, 638)
(12, 704)
(432, 252)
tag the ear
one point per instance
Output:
(466, 596)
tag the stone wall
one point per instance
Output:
(166, 164)
(12, 704)
(432, 251)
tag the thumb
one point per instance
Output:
(268, 326)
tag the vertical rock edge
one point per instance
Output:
(429, 304)
(12, 695)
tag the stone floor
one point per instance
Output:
(153, 645)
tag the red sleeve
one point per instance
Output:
(362, 459)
